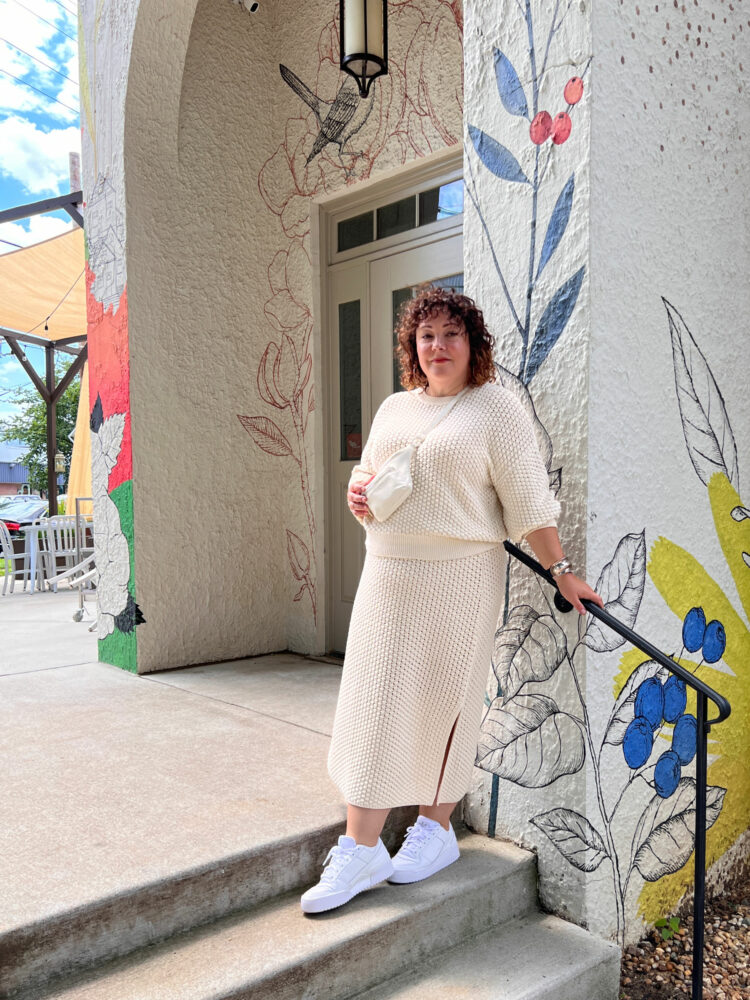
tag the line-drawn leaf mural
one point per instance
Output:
(705, 424)
(557, 224)
(624, 708)
(267, 435)
(496, 157)
(574, 837)
(530, 742)
(299, 555)
(514, 384)
(529, 647)
(554, 320)
(509, 86)
(665, 836)
(620, 585)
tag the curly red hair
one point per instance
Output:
(429, 300)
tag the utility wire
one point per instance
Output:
(71, 12)
(40, 18)
(40, 61)
(76, 111)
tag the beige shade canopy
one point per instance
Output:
(45, 280)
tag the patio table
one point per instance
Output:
(31, 553)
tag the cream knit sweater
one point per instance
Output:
(477, 478)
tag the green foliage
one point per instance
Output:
(668, 927)
(29, 426)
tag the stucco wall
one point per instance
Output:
(529, 202)
(643, 398)
(668, 408)
(219, 185)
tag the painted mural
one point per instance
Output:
(537, 729)
(101, 28)
(335, 138)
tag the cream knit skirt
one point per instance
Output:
(417, 660)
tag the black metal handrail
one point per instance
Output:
(704, 694)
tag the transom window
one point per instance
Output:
(420, 209)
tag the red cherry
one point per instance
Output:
(541, 128)
(561, 127)
(573, 90)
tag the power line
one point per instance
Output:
(76, 111)
(71, 12)
(40, 18)
(40, 61)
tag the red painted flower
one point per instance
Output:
(561, 127)
(573, 90)
(541, 128)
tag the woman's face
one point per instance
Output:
(444, 351)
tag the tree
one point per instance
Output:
(29, 426)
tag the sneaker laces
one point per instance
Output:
(338, 857)
(416, 837)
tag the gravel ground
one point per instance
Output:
(655, 968)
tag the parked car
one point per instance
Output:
(17, 511)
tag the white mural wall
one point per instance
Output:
(233, 125)
(587, 749)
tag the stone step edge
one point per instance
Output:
(400, 925)
(569, 963)
(117, 925)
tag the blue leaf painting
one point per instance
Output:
(557, 224)
(553, 322)
(496, 157)
(509, 86)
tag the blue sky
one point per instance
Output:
(37, 131)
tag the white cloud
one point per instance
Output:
(40, 227)
(40, 43)
(38, 159)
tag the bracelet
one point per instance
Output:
(560, 568)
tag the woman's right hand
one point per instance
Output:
(356, 499)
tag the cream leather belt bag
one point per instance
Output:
(392, 483)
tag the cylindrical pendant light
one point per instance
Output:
(364, 40)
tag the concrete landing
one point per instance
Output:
(127, 792)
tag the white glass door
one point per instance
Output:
(364, 299)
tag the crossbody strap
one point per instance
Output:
(440, 416)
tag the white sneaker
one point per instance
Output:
(426, 849)
(352, 867)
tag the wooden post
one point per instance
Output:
(49, 353)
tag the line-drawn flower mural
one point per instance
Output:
(333, 139)
(116, 604)
(651, 730)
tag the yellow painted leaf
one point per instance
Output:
(734, 535)
(684, 583)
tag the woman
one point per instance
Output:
(424, 618)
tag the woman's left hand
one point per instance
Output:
(574, 590)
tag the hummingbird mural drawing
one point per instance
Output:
(338, 120)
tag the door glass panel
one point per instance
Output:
(355, 232)
(397, 217)
(453, 283)
(350, 381)
(442, 202)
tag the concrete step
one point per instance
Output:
(538, 957)
(181, 900)
(275, 952)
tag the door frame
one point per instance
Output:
(440, 167)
